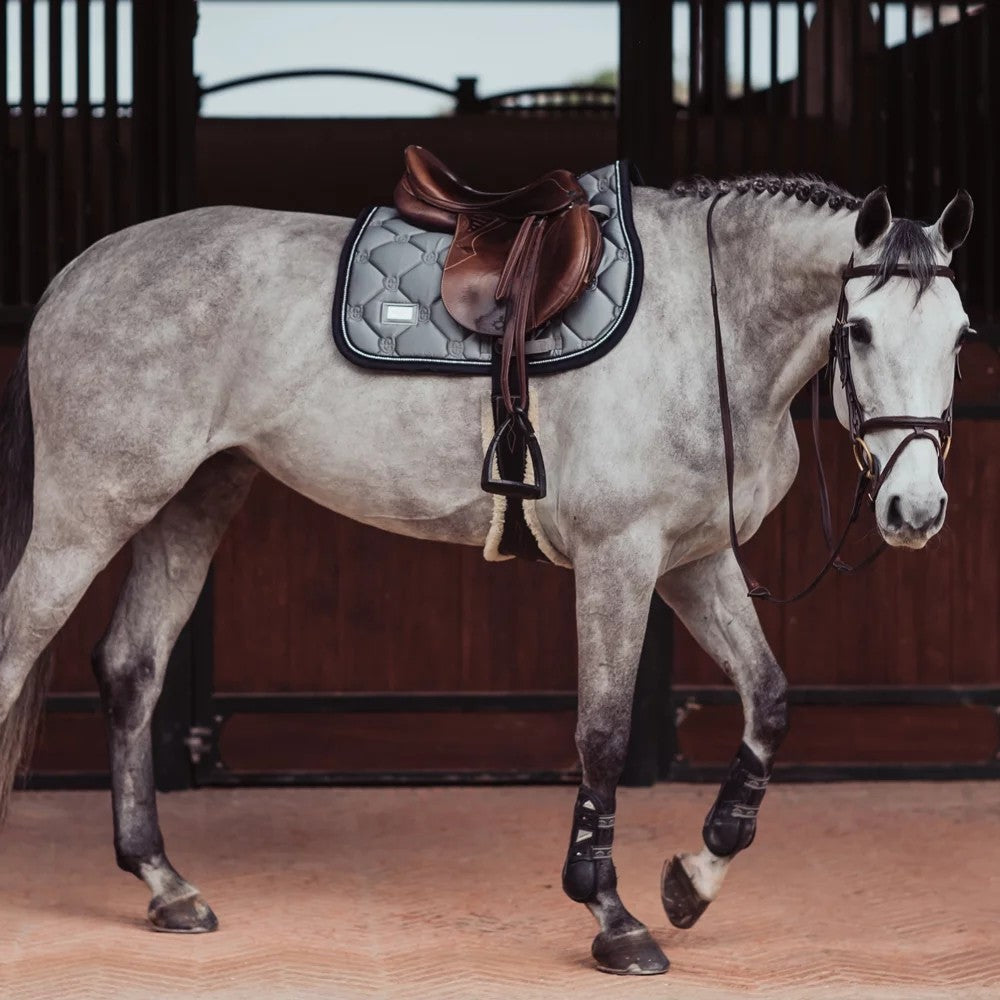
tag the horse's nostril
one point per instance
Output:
(895, 514)
(940, 514)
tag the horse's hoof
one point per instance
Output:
(680, 898)
(632, 954)
(187, 915)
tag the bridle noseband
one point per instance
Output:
(870, 477)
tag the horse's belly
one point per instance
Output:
(399, 452)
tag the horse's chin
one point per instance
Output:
(903, 539)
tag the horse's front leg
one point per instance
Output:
(710, 597)
(613, 586)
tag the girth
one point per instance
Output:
(871, 477)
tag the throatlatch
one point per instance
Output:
(589, 868)
(732, 822)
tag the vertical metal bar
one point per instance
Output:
(28, 153)
(717, 39)
(987, 33)
(666, 124)
(827, 169)
(909, 116)
(164, 117)
(854, 162)
(961, 90)
(934, 105)
(646, 93)
(694, 34)
(747, 99)
(83, 124)
(4, 156)
(803, 60)
(54, 114)
(111, 168)
(772, 92)
(882, 121)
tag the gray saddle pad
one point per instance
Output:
(388, 313)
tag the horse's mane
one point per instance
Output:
(804, 187)
(905, 239)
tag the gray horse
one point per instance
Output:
(171, 361)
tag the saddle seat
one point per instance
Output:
(518, 259)
(433, 193)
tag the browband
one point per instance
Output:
(899, 271)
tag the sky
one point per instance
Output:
(506, 45)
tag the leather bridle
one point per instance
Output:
(871, 478)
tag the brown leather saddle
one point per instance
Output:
(518, 259)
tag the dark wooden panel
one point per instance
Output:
(71, 742)
(532, 741)
(845, 735)
(309, 601)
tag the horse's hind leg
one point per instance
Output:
(171, 556)
(613, 587)
(710, 597)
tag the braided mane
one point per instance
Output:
(804, 187)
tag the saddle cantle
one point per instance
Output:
(518, 259)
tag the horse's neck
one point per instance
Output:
(788, 257)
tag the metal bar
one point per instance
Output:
(682, 771)
(717, 39)
(828, 73)
(694, 35)
(989, 38)
(166, 146)
(961, 91)
(451, 701)
(935, 104)
(84, 121)
(293, 74)
(773, 144)
(112, 186)
(28, 151)
(854, 162)
(882, 122)
(54, 175)
(5, 283)
(853, 694)
(909, 117)
(306, 779)
(803, 67)
(747, 98)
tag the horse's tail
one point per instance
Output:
(17, 474)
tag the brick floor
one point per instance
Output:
(874, 892)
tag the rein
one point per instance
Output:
(870, 477)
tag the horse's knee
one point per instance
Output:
(127, 683)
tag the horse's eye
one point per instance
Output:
(964, 335)
(861, 331)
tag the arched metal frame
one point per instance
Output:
(569, 100)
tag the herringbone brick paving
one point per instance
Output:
(851, 892)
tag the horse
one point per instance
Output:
(171, 361)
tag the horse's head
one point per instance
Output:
(899, 343)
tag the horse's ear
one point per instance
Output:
(874, 218)
(955, 222)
